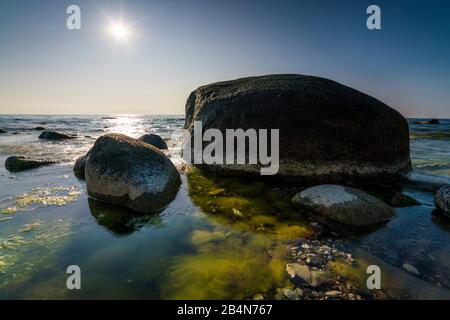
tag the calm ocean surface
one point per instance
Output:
(47, 223)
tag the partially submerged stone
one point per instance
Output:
(348, 206)
(154, 140)
(327, 131)
(54, 135)
(432, 121)
(124, 171)
(20, 163)
(2, 130)
(314, 278)
(79, 167)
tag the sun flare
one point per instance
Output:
(120, 31)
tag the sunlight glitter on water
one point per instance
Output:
(131, 125)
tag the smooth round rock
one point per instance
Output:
(79, 167)
(17, 164)
(328, 131)
(154, 140)
(442, 200)
(348, 206)
(128, 172)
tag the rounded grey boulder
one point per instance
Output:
(17, 164)
(154, 140)
(327, 131)
(124, 171)
(442, 200)
(348, 206)
(79, 167)
(54, 135)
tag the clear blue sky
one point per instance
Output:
(176, 46)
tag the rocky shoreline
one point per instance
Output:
(337, 146)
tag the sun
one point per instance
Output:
(120, 31)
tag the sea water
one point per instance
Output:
(194, 248)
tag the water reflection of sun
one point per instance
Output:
(130, 125)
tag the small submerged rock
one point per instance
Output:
(16, 164)
(258, 296)
(432, 121)
(411, 269)
(54, 135)
(39, 128)
(124, 171)
(348, 206)
(314, 278)
(154, 140)
(442, 200)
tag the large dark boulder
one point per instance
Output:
(328, 131)
(154, 140)
(124, 171)
(17, 164)
(54, 135)
(348, 206)
(2, 130)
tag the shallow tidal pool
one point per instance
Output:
(219, 239)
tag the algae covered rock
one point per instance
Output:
(124, 171)
(348, 206)
(16, 164)
(327, 131)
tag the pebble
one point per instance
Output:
(411, 269)
(289, 293)
(258, 296)
(333, 294)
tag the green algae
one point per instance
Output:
(9, 210)
(224, 267)
(27, 250)
(247, 205)
(241, 252)
(43, 197)
(356, 272)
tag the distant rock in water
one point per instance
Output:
(54, 135)
(16, 164)
(154, 140)
(79, 167)
(432, 121)
(124, 171)
(328, 131)
(348, 206)
(2, 130)
(442, 200)
(39, 128)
